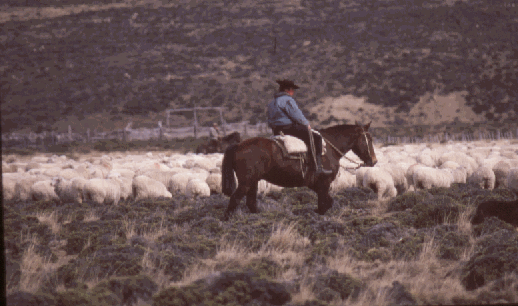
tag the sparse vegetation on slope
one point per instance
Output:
(137, 60)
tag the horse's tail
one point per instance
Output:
(228, 181)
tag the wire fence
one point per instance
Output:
(445, 137)
(45, 139)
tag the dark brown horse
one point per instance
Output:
(230, 139)
(261, 158)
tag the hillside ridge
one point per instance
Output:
(105, 63)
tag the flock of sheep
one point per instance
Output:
(117, 177)
(407, 168)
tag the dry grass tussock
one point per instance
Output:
(429, 279)
(153, 233)
(34, 270)
(158, 275)
(51, 219)
(286, 247)
(230, 254)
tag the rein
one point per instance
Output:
(342, 154)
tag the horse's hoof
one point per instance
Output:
(226, 216)
(321, 211)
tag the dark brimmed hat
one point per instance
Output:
(287, 84)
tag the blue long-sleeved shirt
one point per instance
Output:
(283, 110)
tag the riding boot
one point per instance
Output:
(319, 168)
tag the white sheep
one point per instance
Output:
(512, 180)
(426, 178)
(101, 170)
(459, 175)
(22, 188)
(102, 191)
(360, 172)
(125, 173)
(33, 165)
(197, 188)
(126, 188)
(483, 177)
(43, 191)
(179, 183)
(344, 179)
(215, 170)
(490, 162)
(460, 158)
(39, 159)
(125, 184)
(9, 181)
(513, 163)
(263, 188)
(68, 191)
(147, 188)
(179, 180)
(214, 182)
(427, 157)
(199, 173)
(398, 173)
(20, 167)
(71, 173)
(205, 163)
(501, 171)
(380, 181)
(165, 177)
(9, 168)
(449, 165)
(410, 174)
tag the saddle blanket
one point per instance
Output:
(296, 145)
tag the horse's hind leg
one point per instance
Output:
(236, 197)
(251, 198)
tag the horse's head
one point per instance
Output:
(363, 146)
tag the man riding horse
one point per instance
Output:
(215, 138)
(285, 116)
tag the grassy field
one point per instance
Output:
(417, 248)
(160, 252)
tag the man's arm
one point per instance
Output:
(295, 113)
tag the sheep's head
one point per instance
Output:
(116, 176)
(56, 181)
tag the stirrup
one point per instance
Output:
(323, 171)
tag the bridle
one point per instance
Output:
(364, 133)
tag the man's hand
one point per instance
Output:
(309, 127)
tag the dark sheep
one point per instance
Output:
(504, 210)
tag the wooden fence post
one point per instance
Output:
(222, 122)
(195, 125)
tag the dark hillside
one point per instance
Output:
(133, 61)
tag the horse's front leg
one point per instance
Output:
(251, 197)
(325, 201)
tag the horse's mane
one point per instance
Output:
(339, 128)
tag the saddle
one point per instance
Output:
(294, 147)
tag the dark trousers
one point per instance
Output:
(301, 131)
